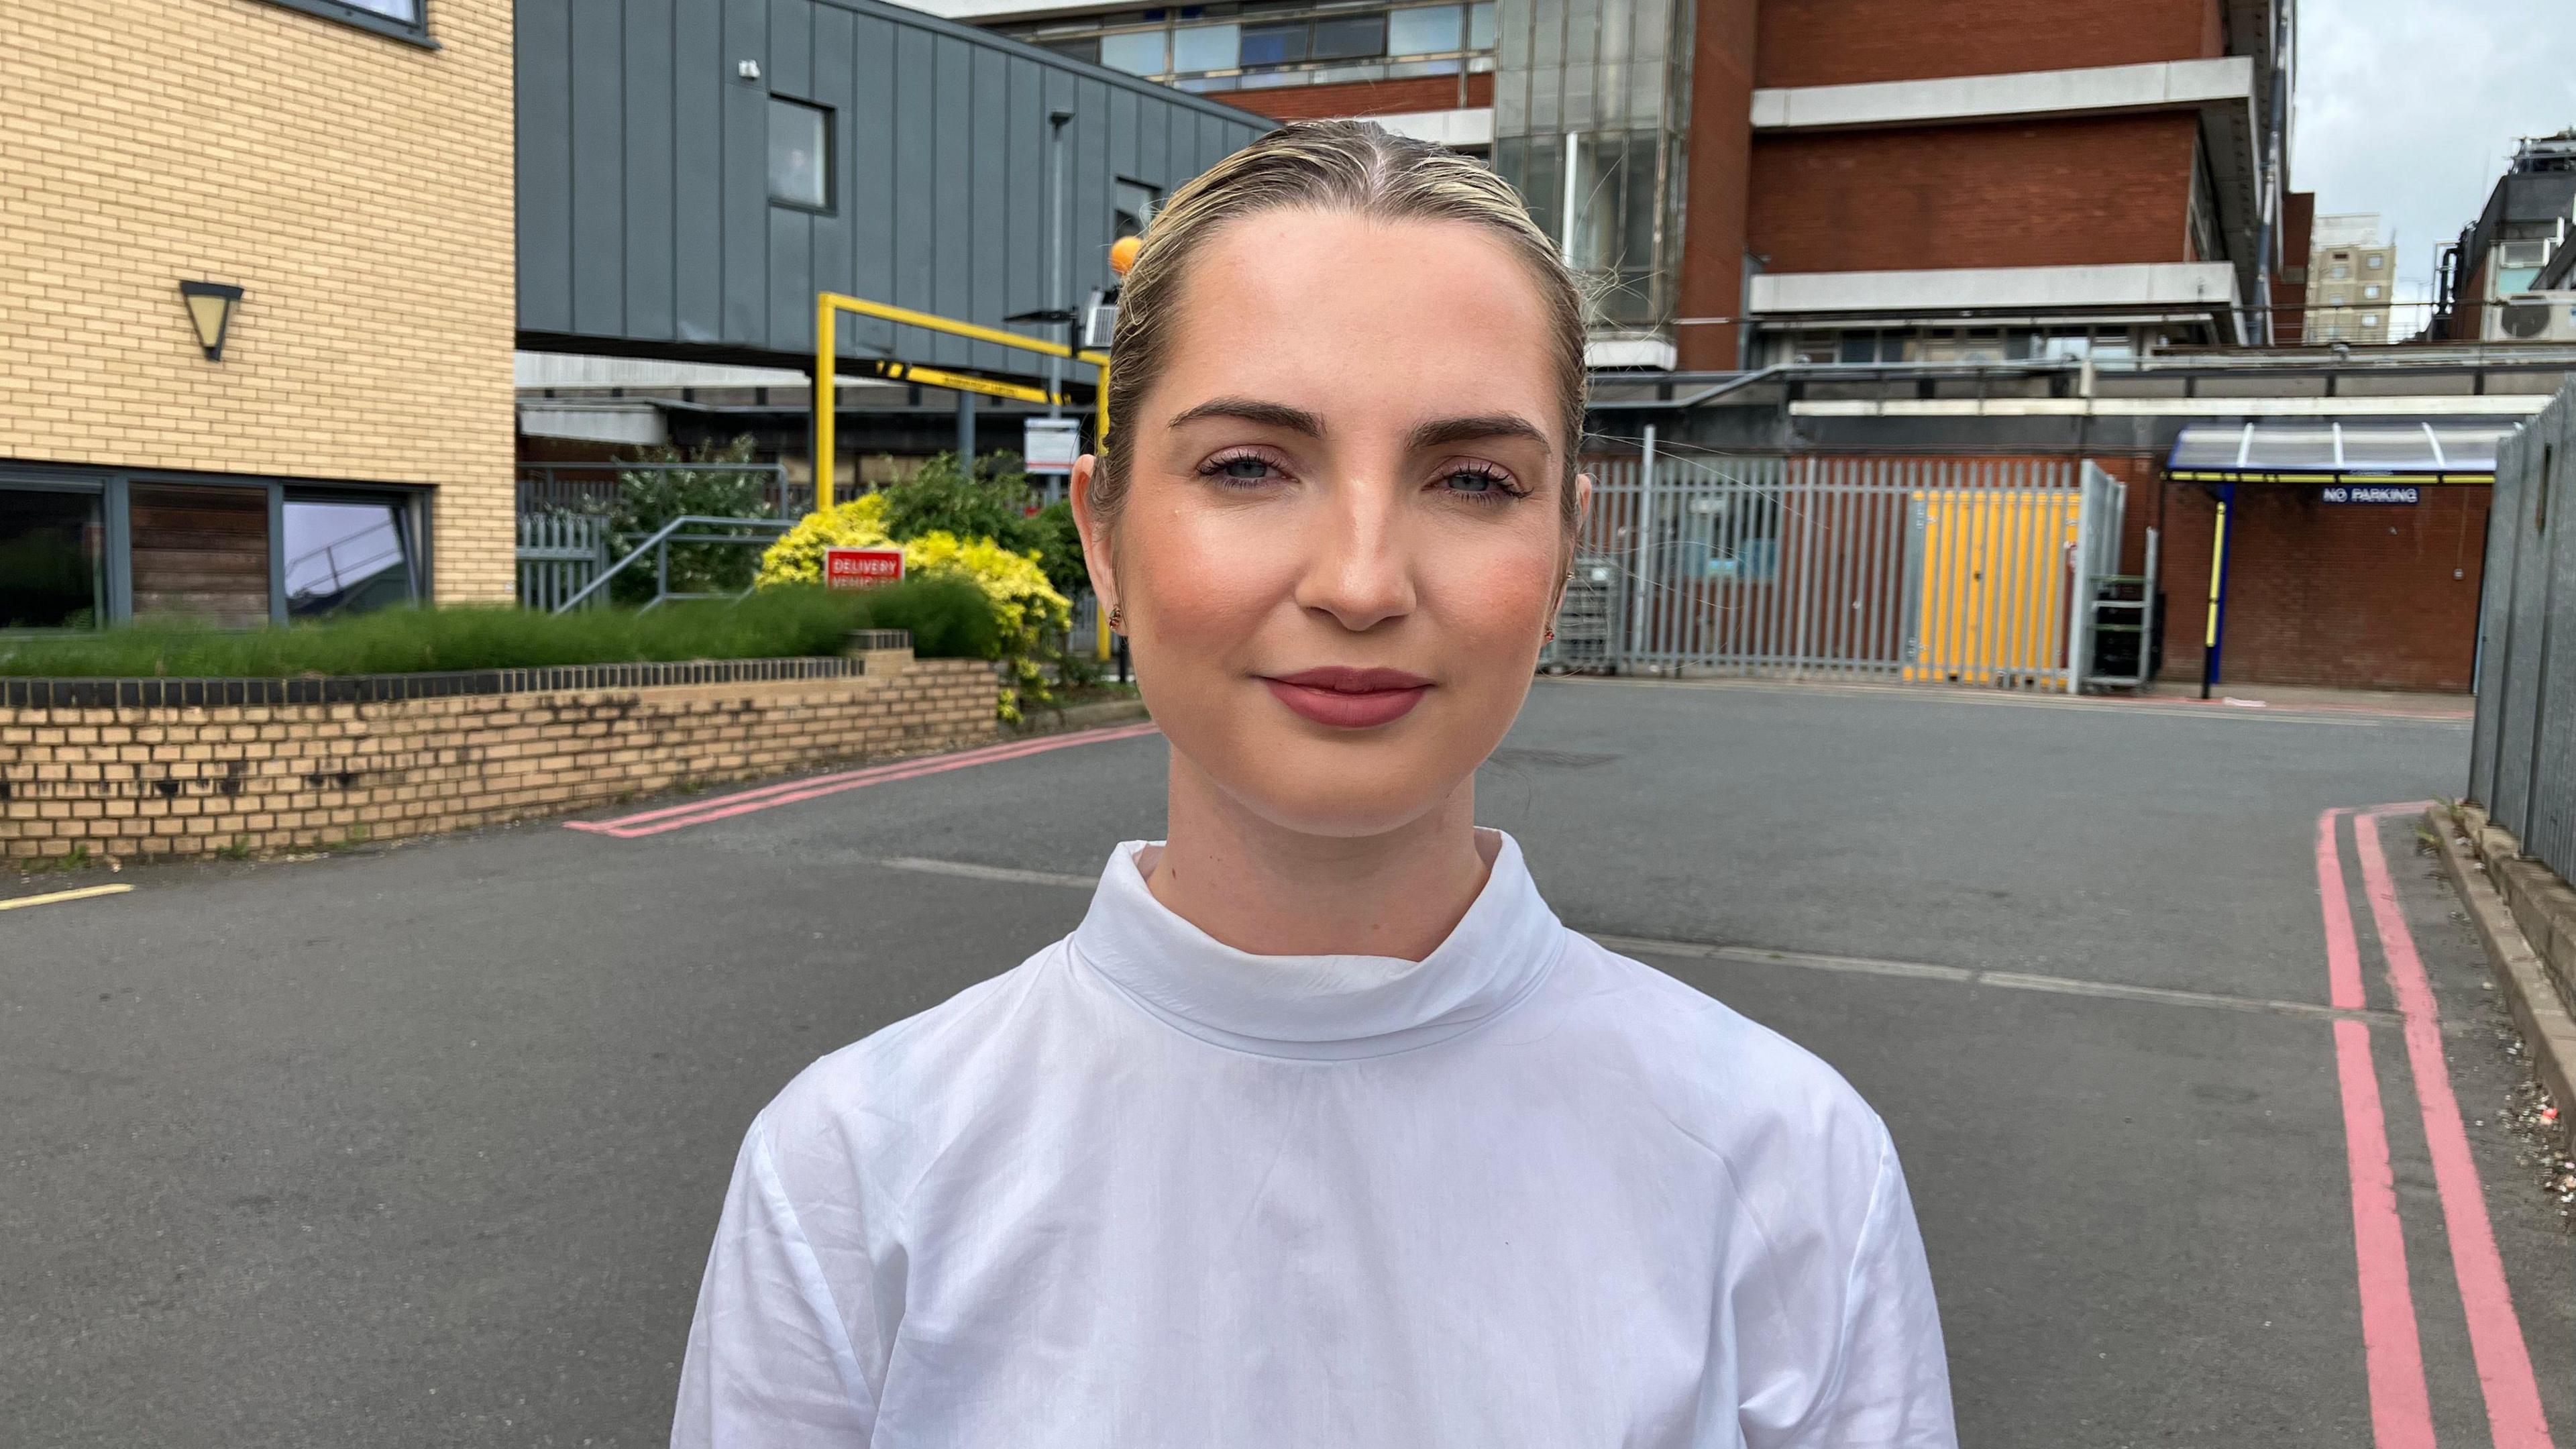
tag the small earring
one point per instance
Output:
(1118, 617)
(1551, 636)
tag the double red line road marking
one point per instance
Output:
(2401, 1413)
(814, 787)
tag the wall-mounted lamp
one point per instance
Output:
(210, 307)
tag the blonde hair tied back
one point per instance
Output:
(1343, 166)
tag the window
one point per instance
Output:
(1205, 47)
(800, 155)
(345, 556)
(402, 19)
(2339, 271)
(1137, 52)
(1274, 44)
(1134, 208)
(1348, 37)
(52, 569)
(2374, 262)
(199, 552)
(2369, 319)
(1480, 26)
(1425, 30)
(1087, 48)
(2370, 293)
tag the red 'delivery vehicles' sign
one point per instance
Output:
(861, 568)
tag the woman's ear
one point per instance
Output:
(1094, 530)
(1582, 512)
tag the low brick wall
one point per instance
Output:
(177, 779)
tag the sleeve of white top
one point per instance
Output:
(1891, 1389)
(770, 1364)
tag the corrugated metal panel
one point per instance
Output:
(2495, 617)
(2523, 749)
(644, 213)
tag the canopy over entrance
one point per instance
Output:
(2337, 452)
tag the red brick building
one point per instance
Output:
(1776, 181)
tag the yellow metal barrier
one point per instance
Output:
(828, 307)
(1994, 584)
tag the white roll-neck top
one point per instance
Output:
(1149, 1191)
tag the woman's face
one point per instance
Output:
(1341, 543)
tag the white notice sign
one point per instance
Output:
(1049, 445)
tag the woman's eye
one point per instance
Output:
(1478, 484)
(1241, 470)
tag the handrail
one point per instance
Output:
(663, 536)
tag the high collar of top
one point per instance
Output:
(1321, 1006)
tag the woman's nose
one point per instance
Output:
(1358, 568)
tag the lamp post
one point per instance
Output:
(210, 308)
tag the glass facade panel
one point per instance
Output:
(199, 552)
(52, 572)
(800, 151)
(1348, 37)
(345, 556)
(1274, 44)
(1425, 30)
(1137, 52)
(1205, 47)
(1480, 26)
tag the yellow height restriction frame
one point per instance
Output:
(828, 307)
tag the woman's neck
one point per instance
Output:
(1271, 891)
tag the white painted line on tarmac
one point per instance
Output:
(84, 893)
(2001, 980)
(972, 871)
(2010, 699)
(1805, 960)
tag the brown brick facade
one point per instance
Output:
(1846, 42)
(2026, 194)
(357, 187)
(174, 782)
(1368, 98)
(2345, 596)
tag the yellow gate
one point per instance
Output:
(1993, 601)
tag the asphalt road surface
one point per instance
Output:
(424, 1146)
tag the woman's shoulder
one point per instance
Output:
(906, 1079)
(1738, 1087)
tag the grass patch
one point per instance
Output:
(950, 618)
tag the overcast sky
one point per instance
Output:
(2409, 108)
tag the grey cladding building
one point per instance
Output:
(692, 172)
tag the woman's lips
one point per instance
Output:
(1351, 699)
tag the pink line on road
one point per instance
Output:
(2401, 1409)
(813, 787)
(2514, 1415)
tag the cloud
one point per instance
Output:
(2410, 108)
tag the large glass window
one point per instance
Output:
(1274, 44)
(1205, 47)
(1087, 48)
(346, 555)
(1137, 52)
(1425, 30)
(200, 552)
(1480, 26)
(1348, 37)
(800, 154)
(405, 18)
(52, 573)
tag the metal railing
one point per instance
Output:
(2522, 751)
(559, 555)
(1931, 570)
(592, 487)
(686, 529)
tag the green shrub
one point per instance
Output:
(648, 499)
(950, 618)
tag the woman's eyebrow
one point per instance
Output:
(1439, 431)
(1253, 410)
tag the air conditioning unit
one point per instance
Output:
(2537, 317)
(2532, 253)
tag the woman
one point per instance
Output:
(1321, 1129)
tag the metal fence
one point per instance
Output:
(592, 487)
(1933, 570)
(2522, 754)
(559, 554)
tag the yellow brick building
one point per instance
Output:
(347, 165)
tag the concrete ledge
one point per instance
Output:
(2530, 994)
(2156, 85)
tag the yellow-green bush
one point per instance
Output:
(1026, 606)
